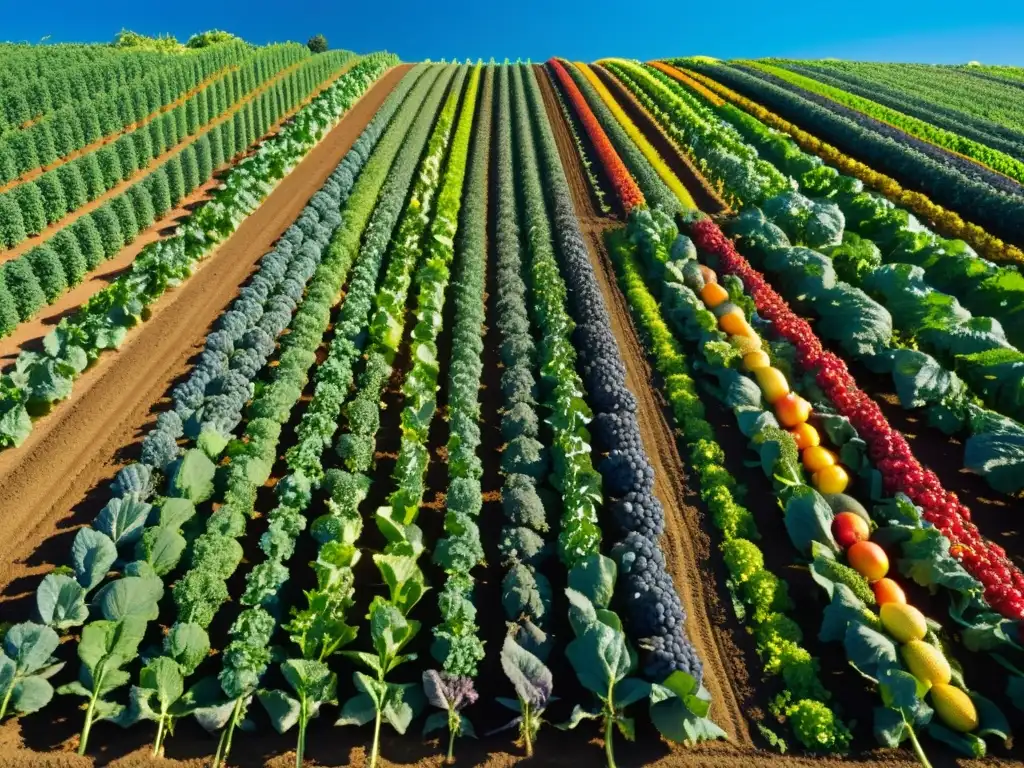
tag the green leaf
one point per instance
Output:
(966, 744)
(991, 720)
(15, 424)
(594, 577)
(999, 458)
(30, 694)
(60, 601)
(282, 709)
(808, 519)
(358, 711)
(435, 722)
(630, 691)
(130, 596)
(92, 555)
(188, 644)
(577, 716)
(600, 658)
(903, 692)
(162, 549)
(162, 677)
(192, 477)
(844, 610)
(889, 727)
(123, 520)
(174, 512)
(870, 652)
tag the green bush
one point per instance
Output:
(90, 122)
(12, 224)
(227, 138)
(157, 138)
(64, 135)
(143, 147)
(142, 205)
(89, 240)
(109, 228)
(24, 287)
(30, 200)
(170, 127)
(317, 44)
(175, 178)
(216, 148)
(92, 175)
(8, 168)
(16, 107)
(160, 192)
(110, 166)
(76, 194)
(122, 208)
(71, 257)
(9, 317)
(48, 270)
(45, 147)
(204, 159)
(55, 205)
(126, 155)
(24, 151)
(189, 168)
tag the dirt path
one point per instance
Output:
(703, 194)
(686, 544)
(102, 141)
(31, 242)
(79, 446)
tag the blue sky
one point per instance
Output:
(940, 31)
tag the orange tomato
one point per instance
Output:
(888, 591)
(734, 324)
(869, 560)
(756, 359)
(712, 294)
(708, 274)
(772, 383)
(831, 479)
(817, 458)
(848, 528)
(792, 410)
(805, 435)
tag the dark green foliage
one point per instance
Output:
(189, 168)
(45, 147)
(171, 136)
(76, 194)
(122, 208)
(110, 230)
(203, 158)
(89, 240)
(24, 151)
(216, 148)
(317, 44)
(33, 212)
(175, 178)
(48, 270)
(143, 147)
(55, 205)
(9, 317)
(71, 257)
(160, 192)
(241, 135)
(156, 137)
(110, 166)
(92, 175)
(227, 138)
(64, 137)
(89, 121)
(8, 168)
(142, 205)
(24, 287)
(126, 155)
(12, 224)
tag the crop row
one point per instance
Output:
(42, 378)
(977, 346)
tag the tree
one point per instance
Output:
(92, 174)
(142, 204)
(8, 168)
(160, 192)
(175, 178)
(126, 154)
(30, 200)
(76, 194)
(189, 168)
(89, 241)
(317, 44)
(24, 150)
(110, 230)
(71, 257)
(24, 287)
(9, 317)
(110, 165)
(122, 208)
(54, 203)
(48, 270)
(12, 223)
(143, 147)
(204, 158)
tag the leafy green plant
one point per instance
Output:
(533, 684)
(314, 685)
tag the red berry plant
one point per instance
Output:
(901, 471)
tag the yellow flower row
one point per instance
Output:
(660, 166)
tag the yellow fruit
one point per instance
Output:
(806, 436)
(815, 457)
(773, 383)
(954, 708)
(926, 663)
(712, 294)
(832, 479)
(903, 622)
(756, 359)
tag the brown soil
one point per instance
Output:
(31, 242)
(702, 192)
(77, 447)
(104, 140)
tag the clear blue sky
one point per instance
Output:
(938, 31)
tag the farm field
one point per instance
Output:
(365, 412)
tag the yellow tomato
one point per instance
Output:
(817, 458)
(773, 383)
(831, 479)
(805, 435)
(756, 359)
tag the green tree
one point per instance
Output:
(64, 136)
(46, 149)
(92, 174)
(142, 204)
(171, 137)
(175, 178)
(89, 240)
(9, 317)
(54, 203)
(241, 134)
(204, 158)
(126, 155)
(189, 168)
(216, 148)
(73, 185)
(110, 230)
(8, 167)
(71, 257)
(160, 192)
(227, 138)
(15, 107)
(12, 224)
(24, 287)
(90, 121)
(24, 150)
(30, 200)
(122, 208)
(180, 122)
(48, 270)
(317, 44)
(110, 165)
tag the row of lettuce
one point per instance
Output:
(401, 223)
(38, 379)
(887, 640)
